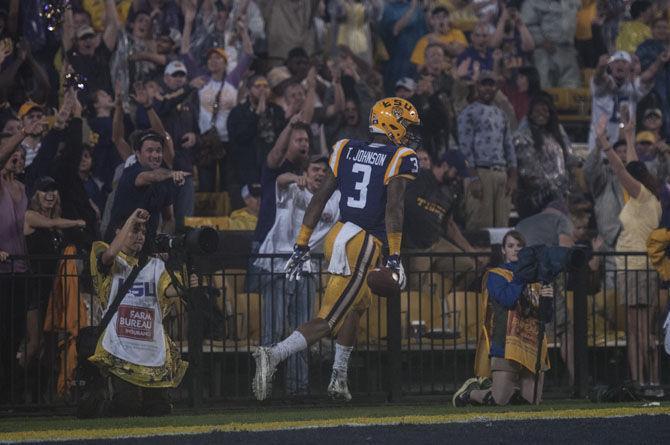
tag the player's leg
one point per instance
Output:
(338, 388)
(341, 294)
(267, 358)
(346, 298)
(299, 310)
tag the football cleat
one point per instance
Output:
(338, 389)
(265, 370)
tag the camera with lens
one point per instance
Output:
(200, 241)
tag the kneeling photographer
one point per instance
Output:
(512, 347)
(137, 360)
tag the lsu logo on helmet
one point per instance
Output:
(392, 117)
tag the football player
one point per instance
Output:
(371, 177)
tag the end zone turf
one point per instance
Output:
(44, 430)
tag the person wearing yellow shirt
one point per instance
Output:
(247, 217)
(585, 17)
(96, 10)
(638, 286)
(452, 40)
(463, 14)
(636, 31)
(589, 39)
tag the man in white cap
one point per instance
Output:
(615, 89)
(246, 218)
(178, 110)
(405, 88)
(89, 54)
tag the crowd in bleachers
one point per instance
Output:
(193, 108)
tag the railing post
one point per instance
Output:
(580, 350)
(196, 322)
(394, 344)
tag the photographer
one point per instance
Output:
(507, 348)
(512, 36)
(134, 351)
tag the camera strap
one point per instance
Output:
(216, 106)
(123, 290)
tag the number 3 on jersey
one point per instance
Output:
(361, 186)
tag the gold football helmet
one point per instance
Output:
(393, 117)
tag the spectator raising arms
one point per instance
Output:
(87, 52)
(648, 52)
(638, 285)
(401, 26)
(253, 127)
(217, 97)
(616, 90)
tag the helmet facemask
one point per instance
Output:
(413, 135)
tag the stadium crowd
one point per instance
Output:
(119, 105)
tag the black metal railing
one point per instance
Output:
(421, 343)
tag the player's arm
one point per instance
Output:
(312, 215)
(315, 208)
(395, 210)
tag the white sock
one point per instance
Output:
(295, 342)
(341, 362)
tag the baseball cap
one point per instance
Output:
(456, 159)
(85, 31)
(407, 83)
(652, 111)
(646, 136)
(620, 55)
(277, 76)
(175, 67)
(45, 184)
(220, 51)
(28, 107)
(250, 190)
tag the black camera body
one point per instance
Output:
(200, 241)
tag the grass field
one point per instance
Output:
(269, 418)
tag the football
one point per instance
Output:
(383, 282)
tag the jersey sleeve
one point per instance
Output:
(404, 163)
(334, 160)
